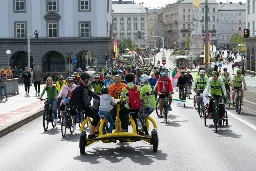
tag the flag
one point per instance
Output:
(175, 80)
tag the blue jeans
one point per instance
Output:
(5, 91)
(107, 115)
(54, 107)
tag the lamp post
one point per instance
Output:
(191, 62)
(8, 52)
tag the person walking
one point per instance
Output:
(3, 84)
(37, 77)
(26, 79)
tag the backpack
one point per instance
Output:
(133, 98)
(72, 94)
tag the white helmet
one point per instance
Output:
(202, 72)
(144, 78)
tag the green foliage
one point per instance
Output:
(126, 44)
(242, 49)
(237, 39)
(187, 42)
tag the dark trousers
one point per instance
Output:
(124, 117)
(37, 86)
(27, 86)
(92, 113)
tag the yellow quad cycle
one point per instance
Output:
(118, 135)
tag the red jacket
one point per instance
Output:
(168, 85)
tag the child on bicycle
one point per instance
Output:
(147, 99)
(106, 104)
(51, 91)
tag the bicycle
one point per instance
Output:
(183, 93)
(201, 107)
(188, 91)
(227, 100)
(48, 115)
(238, 100)
(165, 107)
(66, 121)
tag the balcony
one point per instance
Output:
(210, 31)
(184, 30)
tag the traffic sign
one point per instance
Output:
(74, 60)
(220, 65)
(163, 62)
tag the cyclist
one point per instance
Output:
(199, 85)
(97, 84)
(182, 83)
(165, 89)
(77, 78)
(226, 80)
(64, 95)
(217, 89)
(108, 81)
(60, 84)
(82, 99)
(147, 97)
(51, 91)
(237, 83)
(189, 80)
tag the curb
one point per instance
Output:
(20, 123)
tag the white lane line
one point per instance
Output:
(241, 120)
(249, 101)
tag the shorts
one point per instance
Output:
(162, 96)
(238, 88)
(181, 87)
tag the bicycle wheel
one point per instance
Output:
(165, 112)
(52, 120)
(216, 116)
(157, 112)
(195, 102)
(63, 124)
(228, 102)
(45, 120)
(238, 105)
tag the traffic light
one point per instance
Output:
(36, 33)
(246, 33)
(67, 60)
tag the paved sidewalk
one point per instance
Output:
(19, 110)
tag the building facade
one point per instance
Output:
(76, 27)
(250, 42)
(178, 19)
(152, 34)
(130, 22)
(231, 20)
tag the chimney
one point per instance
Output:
(220, 2)
(230, 2)
(240, 3)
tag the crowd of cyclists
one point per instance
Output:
(136, 88)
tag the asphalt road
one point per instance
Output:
(185, 144)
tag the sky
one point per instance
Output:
(162, 3)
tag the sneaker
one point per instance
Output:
(170, 108)
(55, 121)
(91, 136)
(74, 127)
(59, 121)
(124, 130)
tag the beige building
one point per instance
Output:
(152, 27)
(178, 21)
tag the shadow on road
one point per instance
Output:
(52, 131)
(71, 137)
(174, 123)
(227, 133)
(142, 155)
(247, 114)
(188, 107)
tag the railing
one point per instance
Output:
(13, 86)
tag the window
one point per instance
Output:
(136, 36)
(253, 6)
(188, 17)
(152, 26)
(20, 29)
(221, 14)
(129, 36)
(184, 10)
(227, 37)
(85, 29)
(52, 5)
(142, 19)
(128, 20)
(114, 35)
(52, 30)
(249, 6)
(115, 27)
(253, 28)
(129, 28)
(240, 29)
(121, 19)
(184, 18)
(135, 18)
(189, 10)
(223, 38)
(121, 27)
(142, 26)
(202, 9)
(188, 26)
(184, 34)
(213, 26)
(107, 6)
(20, 5)
(142, 46)
(135, 26)
(115, 20)
(213, 18)
(202, 26)
(213, 10)
(84, 5)
(121, 36)
(183, 26)
(240, 21)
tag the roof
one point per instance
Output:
(191, 1)
(231, 7)
(128, 8)
(122, 2)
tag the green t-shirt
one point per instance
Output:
(51, 92)
(147, 97)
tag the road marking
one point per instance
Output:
(241, 120)
(249, 101)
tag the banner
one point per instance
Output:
(175, 80)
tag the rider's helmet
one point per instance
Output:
(188, 71)
(108, 76)
(214, 73)
(61, 77)
(239, 71)
(96, 76)
(70, 79)
(144, 78)
(163, 74)
(225, 69)
(85, 76)
(104, 90)
(202, 72)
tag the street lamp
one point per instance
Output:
(8, 52)
(191, 62)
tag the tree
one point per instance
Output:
(126, 44)
(237, 39)
(187, 42)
